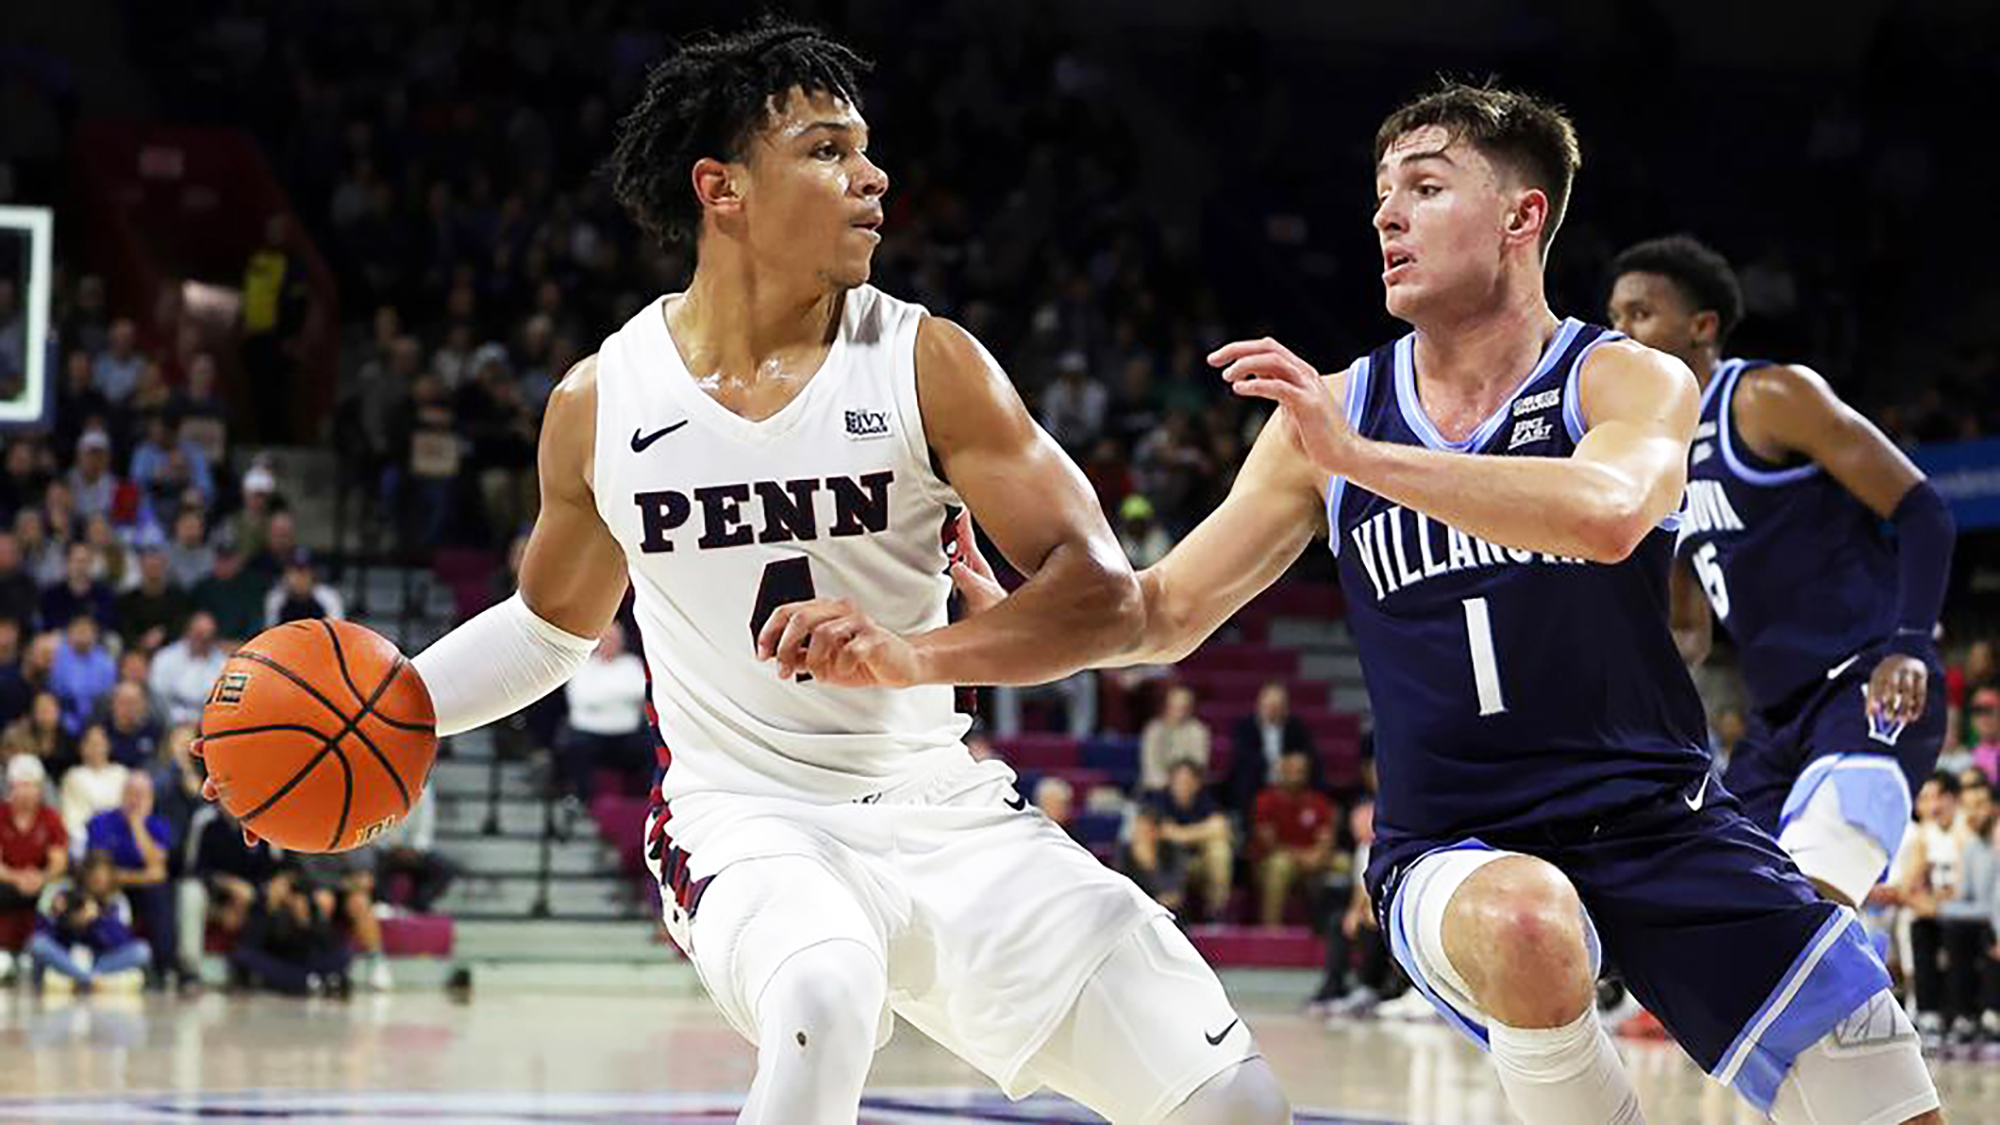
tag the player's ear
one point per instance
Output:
(1706, 327)
(717, 186)
(1529, 214)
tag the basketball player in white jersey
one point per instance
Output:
(781, 430)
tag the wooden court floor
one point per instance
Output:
(537, 1056)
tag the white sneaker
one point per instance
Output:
(378, 975)
(1410, 1006)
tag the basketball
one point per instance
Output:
(319, 735)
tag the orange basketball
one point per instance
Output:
(319, 735)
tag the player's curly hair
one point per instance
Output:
(1701, 274)
(708, 99)
(1530, 137)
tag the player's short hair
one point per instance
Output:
(1947, 781)
(1529, 137)
(709, 99)
(1701, 274)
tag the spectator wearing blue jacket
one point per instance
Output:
(91, 915)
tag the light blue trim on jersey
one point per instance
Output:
(1572, 396)
(1833, 975)
(1336, 486)
(1724, 426)
(1420, 423)
(1874, 797)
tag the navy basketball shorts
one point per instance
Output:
(1707, 920)
(1830, 718)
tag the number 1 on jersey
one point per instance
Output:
(785, 581)
(1485, 665)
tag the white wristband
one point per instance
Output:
(497, 663)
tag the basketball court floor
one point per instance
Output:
(526, 1054)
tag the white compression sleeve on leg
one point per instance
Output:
(497, 663)
(1561, 1074)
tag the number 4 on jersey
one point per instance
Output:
(785, 581)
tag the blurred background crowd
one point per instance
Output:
(384, 238)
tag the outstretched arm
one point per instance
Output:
(1260, 529)
(1782, 410)
(1626, 475)
(1080, 602)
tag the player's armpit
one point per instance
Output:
(1081, 602)
(1692, 620)
(1783, 410)
(1271, 514)
(573, 573)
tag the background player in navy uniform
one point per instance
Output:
(1786, 540)
(1499, 484)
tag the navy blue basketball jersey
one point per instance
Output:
(1511, 688)
(1801, 574)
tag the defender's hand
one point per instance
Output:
(971, 575)
(1896, 690)
(1269, 370)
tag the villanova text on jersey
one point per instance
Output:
(1511, 688)
(1801, 574)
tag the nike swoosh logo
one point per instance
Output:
(1700, 795)
(639, 443)
(1216, 1039)
(1017, 803)
(1842, 667)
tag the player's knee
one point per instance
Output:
(824, 1001)
(1245, 1094)
(1515, 930)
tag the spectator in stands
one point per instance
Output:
(1930, 876)
(166, 463)
(91, 914)
(184, 671)
(1357, 958)
(116, 371)
(408, 852)
(38, 734)
(1144, 540)
(1293, 837)
(82, 674)
(80, 593)
(607, 721)
(65, 526)
(20, 599)
(15, 690)
(1182, 842)
(133, 729)
(1174, 735)
(300, 595)
(234, 597)
(342, 885)
(246, 531)
(205, 417)
(274, 301)
(495, 420)
(93, 487)
(34, 852)
(112, 563)
(1260, 739)
(43, 557)
(1979, 669)
(94, 785)
(1985, 711)
(1073, 407)
(138, 839)
(189, 557)
(222, 877)
(288, 943)
(1961, 925)
(155, 609)
(177, 777)
(1057, 800)
(281, 543)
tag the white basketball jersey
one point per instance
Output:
(724, 519)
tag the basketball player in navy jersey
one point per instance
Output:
(1501, 487)
(1786, 540)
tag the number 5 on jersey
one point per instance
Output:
(785, 581)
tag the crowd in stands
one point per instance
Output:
(133, 560)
